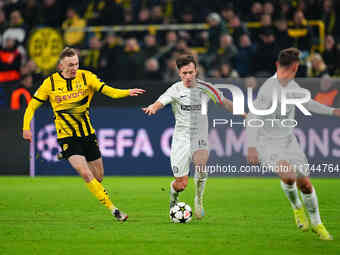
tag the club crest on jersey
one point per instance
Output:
(65, 147)
(78, 85)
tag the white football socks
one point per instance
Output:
(312, 206)
(292, 194)
(200, 180)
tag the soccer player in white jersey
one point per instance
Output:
(275, 145)
(190, 138)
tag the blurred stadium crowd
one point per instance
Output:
(232, 46)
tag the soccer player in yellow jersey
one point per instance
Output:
(70, 92)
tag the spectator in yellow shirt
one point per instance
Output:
(73, 38)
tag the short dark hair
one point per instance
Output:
(185, 60)
(67, 52)
(288, 56)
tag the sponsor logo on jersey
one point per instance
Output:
(191, 107)
(202, 143)
(82, 92)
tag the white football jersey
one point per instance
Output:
(273, 125)
(186, 105)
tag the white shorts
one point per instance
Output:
(272, 150)
(182, 150)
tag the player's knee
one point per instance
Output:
(289, 180)
(306, 187)
(86, 175)
(77, 166)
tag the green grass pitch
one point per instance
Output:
(243, 216)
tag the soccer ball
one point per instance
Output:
(181, 213)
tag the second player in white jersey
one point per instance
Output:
(275, 141)
(275, 145)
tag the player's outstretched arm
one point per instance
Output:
(29, 113)
(99, 86)
(153, 108)
(316, 107)
(119, 93)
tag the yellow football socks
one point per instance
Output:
(98, 190)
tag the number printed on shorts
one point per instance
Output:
(202, 143)
(175, 170)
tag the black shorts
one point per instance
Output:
(86, 146)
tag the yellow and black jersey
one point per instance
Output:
(70, 100)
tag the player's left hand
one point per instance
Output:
(136, 92)
(150, 110)
(27, 134)
(336, 112)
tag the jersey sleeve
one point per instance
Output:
(95, 83)
(219, 94)
(167, 97)
(313, 105)
(42, 92)
(318, 108)
(99, 86)
(211, 91)
(40, 96)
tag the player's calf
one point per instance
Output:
(289, 187)
(86, 175)
(200, 180)
(305, 185)
(97, 169)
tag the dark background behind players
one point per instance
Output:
(230, 48)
